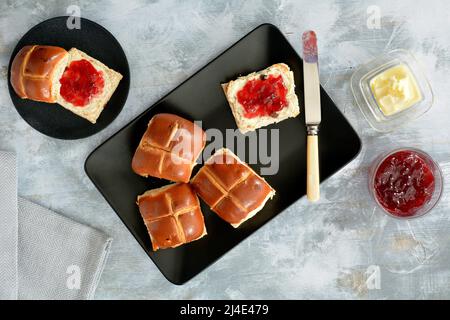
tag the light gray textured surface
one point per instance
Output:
(309, 251)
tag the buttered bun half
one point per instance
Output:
(97, 103)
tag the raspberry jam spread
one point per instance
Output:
(264, 96)
(404, 182)
(81, 82)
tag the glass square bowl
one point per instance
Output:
(360, 84)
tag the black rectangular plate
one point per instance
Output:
(201, 98)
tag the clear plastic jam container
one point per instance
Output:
(405, 182)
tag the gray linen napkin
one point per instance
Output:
(58, 257)
(8, 226)
(54, 257)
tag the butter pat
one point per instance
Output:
(395, 89)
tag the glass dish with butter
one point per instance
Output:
(391, 90)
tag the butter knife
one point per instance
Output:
(312, 113)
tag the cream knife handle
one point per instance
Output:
(312, 168)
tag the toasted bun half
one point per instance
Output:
(246, 124)
(92, 111)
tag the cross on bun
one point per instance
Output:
(231, 188)
(169, 148)
(36, 70)
(172, 215)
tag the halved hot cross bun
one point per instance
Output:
(36, 70)
(231, 188)
(172, 215)
(169, 148)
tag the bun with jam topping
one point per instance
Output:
(86, 85)
(262, 98)
(72, 79)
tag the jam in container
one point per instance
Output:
(405, 183)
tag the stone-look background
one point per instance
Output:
(308, 251)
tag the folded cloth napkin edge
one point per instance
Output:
(8, 173)
(101, 266)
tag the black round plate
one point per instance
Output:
(52, 119)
